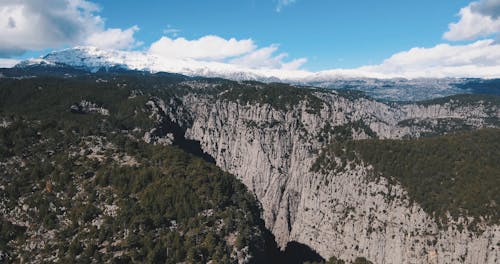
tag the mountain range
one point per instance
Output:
(92, 59)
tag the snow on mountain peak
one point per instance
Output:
(93, 59)
(87, 57)
(31, 62)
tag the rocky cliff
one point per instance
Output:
(346, 214)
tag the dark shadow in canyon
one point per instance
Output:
(295, 252)
(190, 146)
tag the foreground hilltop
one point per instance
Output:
(80, 183)
(100, 157)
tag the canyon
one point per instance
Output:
(343, 214)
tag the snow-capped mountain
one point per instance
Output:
(93, 59)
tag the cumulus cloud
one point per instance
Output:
(488, 8)
(40, 24)
(478, 19)
(114, 38)
(209, 48)
(283, 3)
(478, 59)
(174, 32)
(264, 58)
(205, 48)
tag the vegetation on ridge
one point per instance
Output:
(278, 95)
(82, 186)
(457, 173)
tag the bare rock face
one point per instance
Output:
(89, 107)
(337, 214)
(348, 216)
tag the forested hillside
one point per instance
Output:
(457, 173)
(78, 183)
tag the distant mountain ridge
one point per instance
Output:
(80, 60)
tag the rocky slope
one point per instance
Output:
(342, 214)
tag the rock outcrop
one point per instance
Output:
(337, 214)
(86, 107)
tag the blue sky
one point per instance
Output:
(384, 38)
(330, 33)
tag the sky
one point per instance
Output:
(389, 37)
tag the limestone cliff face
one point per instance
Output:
(338, 214)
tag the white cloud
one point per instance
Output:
(478, 59)
(40, 24)
(114, 38)
(295, 64)
(478, 19)
(488, 8)
(283, 3)
(8, 63)
(264, 59)
(174, 32)
(205, 48)
(243, 53)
